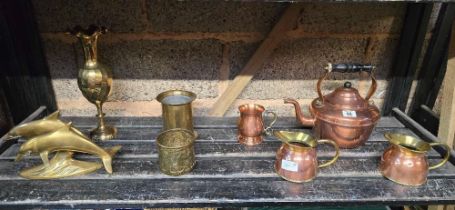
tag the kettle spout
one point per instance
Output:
(299, 115)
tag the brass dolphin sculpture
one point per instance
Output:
(61, 165)
(35, 128)
(66, 138)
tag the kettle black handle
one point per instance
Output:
(348, 68)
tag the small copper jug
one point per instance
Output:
(296, 159)
(251, 124)
(405, 161)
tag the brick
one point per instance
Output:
(292, 70)
(201, 107)
(353, 17)
(383, 56)
(61, 58)
(213, 16)
(299, 59)
(163, 59)
(137, 90)
(143, 69)
(116, 15)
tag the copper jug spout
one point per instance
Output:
(306, 121)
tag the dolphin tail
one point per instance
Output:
(107, 160)
(10, 137)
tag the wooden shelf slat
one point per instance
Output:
(226, 174)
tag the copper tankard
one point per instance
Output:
(404, 162)
(296, 159)
(251, 124)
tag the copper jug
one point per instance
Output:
(296, 159)
(405, 161)
(343, 115)
(251, 124)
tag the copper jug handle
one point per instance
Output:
(275, 117)
(337, 152)
(348, 68)
(446, 156)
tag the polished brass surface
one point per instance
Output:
(176, 109)
(66, 138)
(251, 124)
(176, 151)
(343, 115)
(37, 127)
(405, 161)
(296, 159)
(49, 135)
(95, 79)
(60, 166)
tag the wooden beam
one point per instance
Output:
(447, 120)
(446, 131)
(435, 61)
(407, 55)
(273, 40)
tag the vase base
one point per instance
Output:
(107, 133)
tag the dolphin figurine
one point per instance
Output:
(61, 165)
(37, 127)
(66, 138)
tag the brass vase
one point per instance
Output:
(95, 79)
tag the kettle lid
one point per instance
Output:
(346, 97)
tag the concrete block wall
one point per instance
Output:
(200, 46)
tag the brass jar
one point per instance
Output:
(405, 161)
(176, 151)
(176, 109)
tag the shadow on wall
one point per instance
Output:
(185, 40)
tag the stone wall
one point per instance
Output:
(200, 46)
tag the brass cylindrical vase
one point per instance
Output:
(176, 107)
(176, 151)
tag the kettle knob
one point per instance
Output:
(347, 85)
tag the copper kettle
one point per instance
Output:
(343, 115)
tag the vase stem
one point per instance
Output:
(99, 107)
